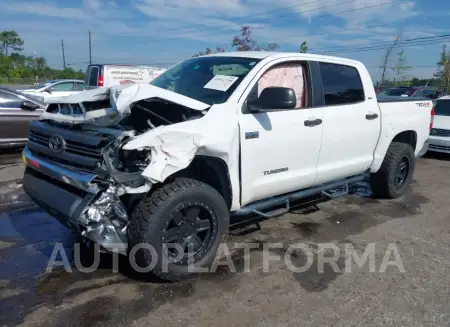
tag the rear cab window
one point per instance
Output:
(442, 107)
(341, 84)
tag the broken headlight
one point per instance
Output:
(132, 161)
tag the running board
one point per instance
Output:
(331, 190)
(274, 213)
(335, 193)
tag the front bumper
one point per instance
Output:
(76, 200)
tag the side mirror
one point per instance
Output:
(28, 105)
(48, 91)
(274, 97)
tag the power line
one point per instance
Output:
(400, 45)
(386, 43)
(243, 17)
(406, 43)
(270, 18)
(327, 15)
(279, 16)
(368, 47)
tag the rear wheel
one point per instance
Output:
(395, 174)
(177, 228)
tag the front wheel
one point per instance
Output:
(178, 228)
(395, 174)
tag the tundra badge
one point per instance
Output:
(275, 171)
(251, 135)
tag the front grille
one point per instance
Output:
(440, 132)
(83, 149)
(72, 147)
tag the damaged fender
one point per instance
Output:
(171, 150)
(173, 147)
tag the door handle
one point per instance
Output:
(313, 122)
(371, 116)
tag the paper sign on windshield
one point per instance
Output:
(221, 82)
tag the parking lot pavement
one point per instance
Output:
(417, 226)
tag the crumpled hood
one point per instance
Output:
(120, 97)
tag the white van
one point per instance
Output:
(102, 75)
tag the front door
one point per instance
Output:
(279, 148)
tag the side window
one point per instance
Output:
(290, 75)
(93, 76)
(62, 87)
(9, 100)
(81, 86)
(432, 94)
(419, 94)
(341, 84)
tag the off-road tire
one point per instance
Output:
(150, 214)
(383, 181)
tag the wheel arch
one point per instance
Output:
(407, 137)
(212, 171)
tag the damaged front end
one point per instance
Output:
(106, 221)
(109, 156)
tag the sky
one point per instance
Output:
(163, 32)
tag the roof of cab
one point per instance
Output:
(279, 55)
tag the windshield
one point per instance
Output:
(398, 92)
(442, 107)
(207, 79)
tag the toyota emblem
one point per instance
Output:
(57, 144)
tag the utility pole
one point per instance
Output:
(64, 56)
(90, 53)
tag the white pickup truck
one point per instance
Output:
(167, 164)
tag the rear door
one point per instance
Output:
(351, 122)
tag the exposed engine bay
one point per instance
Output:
(152, 113)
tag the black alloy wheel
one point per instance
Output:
(193, 227)
(402, 172)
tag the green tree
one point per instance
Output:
(10, 40)
(304, 47)
(443, 73)
(400, 68)
(243, 42)
(15, 67)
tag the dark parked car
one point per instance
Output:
(413, 91)
(16, 112)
